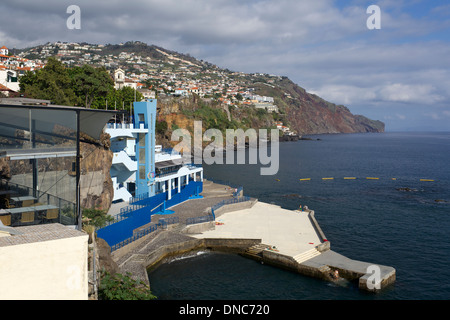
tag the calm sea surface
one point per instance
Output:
(403, 223)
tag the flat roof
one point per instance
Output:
(40, 233)
(92, 121)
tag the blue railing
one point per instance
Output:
(135, 237)
(141, 233)
(138, 215)
(229, 201)
(238, 191)
(168, 221)
(196, 220)
(124, 214)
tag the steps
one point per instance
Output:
(302, 257)
(255, 251)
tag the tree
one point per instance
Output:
(49, 83)
(91, 85)
(123, 287)
(122, 98)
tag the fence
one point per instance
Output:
(137, 215)
(238, 192)
(141, 233)
(196, 220)
(42, 201)
(226, 202)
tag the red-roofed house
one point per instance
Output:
(4, 51)
(4, 57)
(5, 90)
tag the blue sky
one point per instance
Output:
(398, 74)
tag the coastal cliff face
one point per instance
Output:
(307, 113)
(96, 185)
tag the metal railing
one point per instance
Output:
(135, 237)
(238, 191)
(230, 201)
(208, 218)
(141, 233)
(36, 211)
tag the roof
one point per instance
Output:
(92, 121)
(40, 233)
(4, 88)
(9, 230)
(166, 164)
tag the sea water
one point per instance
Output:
(395, 220)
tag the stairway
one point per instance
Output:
(302, 257)
(255, 251)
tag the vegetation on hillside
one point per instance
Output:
(84, 86)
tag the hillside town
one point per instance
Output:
(167, 75)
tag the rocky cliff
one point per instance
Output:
(309, 114)
(96, 185)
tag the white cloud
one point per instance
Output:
(408, 93)
(322, 45)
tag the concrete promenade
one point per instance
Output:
(290, 239)
(291, 232)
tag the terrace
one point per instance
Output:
(40, 162)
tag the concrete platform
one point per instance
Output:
(291, 232)
(299, 244)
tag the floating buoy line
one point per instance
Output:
(355, 178)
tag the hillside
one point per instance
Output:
(212, 91)
(309, 114)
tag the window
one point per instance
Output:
(142, 172)
(141, 140)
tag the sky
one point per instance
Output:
(398, 73)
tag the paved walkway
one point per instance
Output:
(291, 232)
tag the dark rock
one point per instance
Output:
(104, 256)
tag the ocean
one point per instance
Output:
(395, 220)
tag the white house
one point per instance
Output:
(119, 79)
(4, 50)
(9, 79)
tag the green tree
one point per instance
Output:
(123, 287)
(49, 83)
(91, 85)
(122, 98)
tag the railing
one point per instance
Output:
(124, 214)
(42, 203)
(141, 233)
(135, 237)
(238, 191)
(121, 229)
(119, 126)
(167, 221)
(230, 201)
(197, 220)
(170, 151)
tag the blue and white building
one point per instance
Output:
(140, 168)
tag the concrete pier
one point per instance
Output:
(288, 239)
(293, 240)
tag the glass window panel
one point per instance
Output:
(141, 156)
(142, 172)
(142, 140)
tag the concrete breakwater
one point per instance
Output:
(288, 239)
